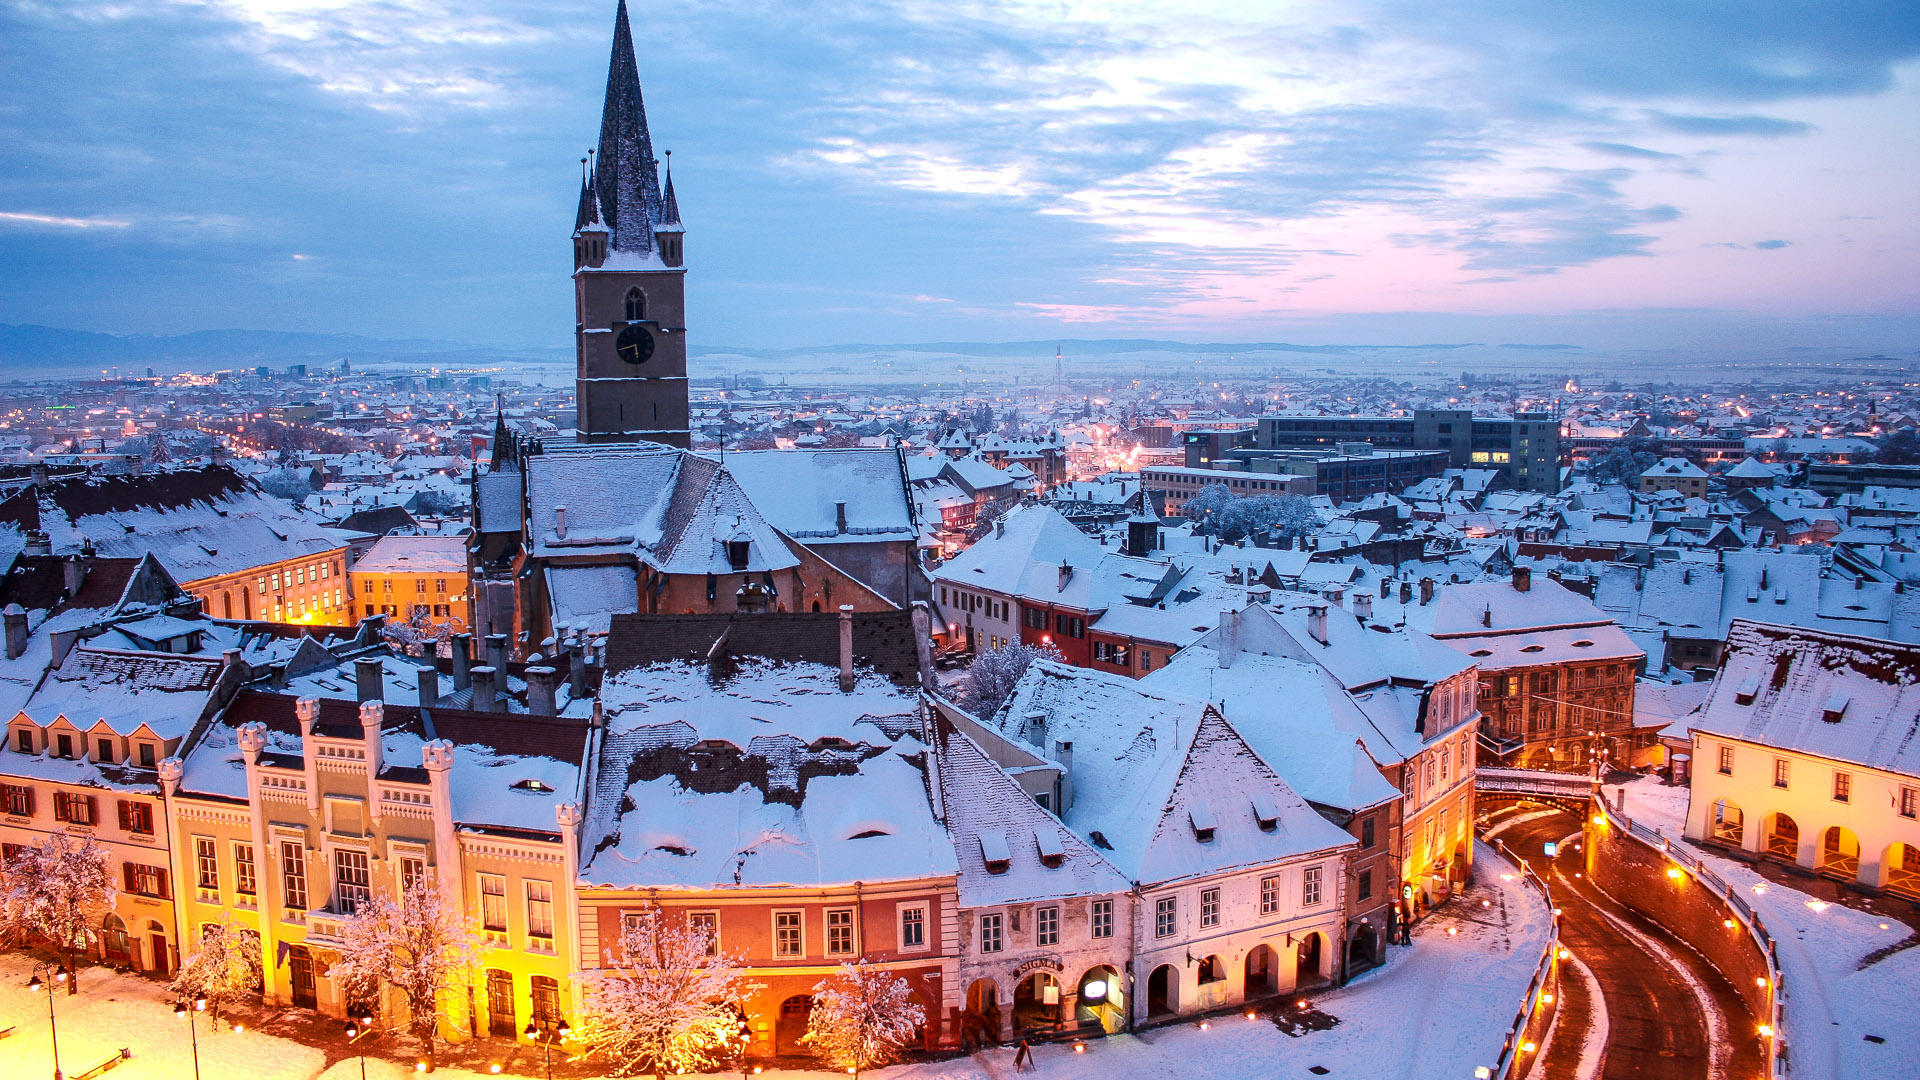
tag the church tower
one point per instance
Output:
(629, 283)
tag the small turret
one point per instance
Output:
(590, 232)
(669, 232)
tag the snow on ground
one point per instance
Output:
(113, 1011)
(1434, 1009)
(1832, 1006)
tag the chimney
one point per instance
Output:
(1066, 574)
(840, 518)
(497, 653)
(1317, 623)
(846, 647)
(1037, 729)
(1406, 592)
(577, 667)
(62, 642)
(16, 619)
(1229, 638)
(38, 543)
(999, 527)
(541, 681)
(1363, 606)
(73, 574)
(1486, 617)
(483, 692)
(370, 678)
(462, 661)
(371, 714)
(1522, 578)
(1426, 591)
(560, 522)
(1063, 753)
(429, 685)
(1386, 587)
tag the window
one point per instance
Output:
(840, 932)
(440, 585)
(103, 750)
(1270, 894)
(1166, 916)
(1034, 618)
(1046, 926)
(708, 924)
(546, 1000)
(1446, 764)
(1365, 884)
(419, 585)
(244, 882)
(1909, 802)
(412, 869)
(353, 885)
(1209, 907)
(913, 928)
(992, 935)
(1310, 886)
(23, 740)
(19, 800)
(65, 744)
(146, 881)
(136, 817)
(1102, 918)
(146, 755)
(540, 910)
(1726, 761)
(1782, 772)
(1842, 787)
(493, 902)
(787, 940)
(1070, 626)
(1146, 660)
(206, 862)
(73, 809)
(635, 305)
(1366, 833)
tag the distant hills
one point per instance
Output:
(37, 351)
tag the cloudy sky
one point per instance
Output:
(863, 170)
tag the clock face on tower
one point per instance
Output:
(635, 344)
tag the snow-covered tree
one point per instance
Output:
(420, 945)
(293, 485)
(225, 967)
(1206, 505)
(418, 635)
(665, 1002)
(862, 1015)
(992, 675)
(1260, 515)
(56, 894)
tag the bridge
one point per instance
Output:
(1568, 790)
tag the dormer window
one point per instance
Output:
(636, 305)
(1836, 707)
(531, 784)
(1201, 817)
(737, 555)
(1052, 852)
(1748, 689)
(994, 852)
(1265, 813)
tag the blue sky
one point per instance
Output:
(1367, 170)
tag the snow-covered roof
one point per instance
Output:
(1145, 764)
(1835, 696)
(801, 491)
(126, 690)
(414, 555)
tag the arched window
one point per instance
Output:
(636, 305)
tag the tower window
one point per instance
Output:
(636, 305)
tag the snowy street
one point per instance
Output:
(1848, 975)
(1432, 1010)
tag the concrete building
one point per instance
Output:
(1524, 448)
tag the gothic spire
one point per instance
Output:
(505, 450)
(625, 175)
(670, 213)
(589, 212)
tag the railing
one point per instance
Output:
(1508, 1062)
(1534, 782)
(325, 928)
(1748, 918)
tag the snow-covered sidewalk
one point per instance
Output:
(1835, 1010)
(1437, 1008)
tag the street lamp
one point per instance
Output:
(356, 1029)
(546, 1039)
(185, 1010)
(59, 975)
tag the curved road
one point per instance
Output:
(1666, 1013)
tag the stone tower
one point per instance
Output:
(629, 283)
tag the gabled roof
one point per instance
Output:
(801, 491)
(125, 690)
(1028, 544)
(1837, 696)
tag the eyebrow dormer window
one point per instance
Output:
(636, 305)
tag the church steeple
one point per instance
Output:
(506, 451)
(625, 174)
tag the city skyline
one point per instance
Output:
(911, 172)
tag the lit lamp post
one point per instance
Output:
(185, 1010)
(356, 1029)
(546, 1039)
(59, 976)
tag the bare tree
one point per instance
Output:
(862, 1015)
(225, 967)
(420, 945)
(992, 675)
(56, 893)
(666, 1001)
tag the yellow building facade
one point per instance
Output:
(401, 574)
